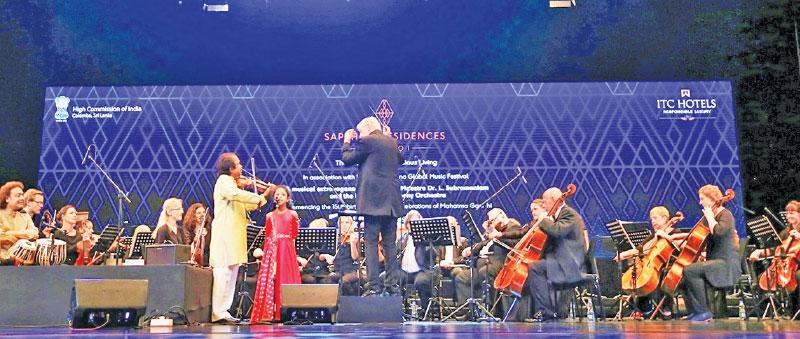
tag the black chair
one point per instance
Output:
(587, 286)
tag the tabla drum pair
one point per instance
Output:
(45, 252)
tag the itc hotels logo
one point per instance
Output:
(686, 107)
(62, 103)
(384, 112)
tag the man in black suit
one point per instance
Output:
(564, 255)
(378, 191)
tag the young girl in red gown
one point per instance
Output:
(279, 261)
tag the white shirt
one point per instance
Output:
(409, 262)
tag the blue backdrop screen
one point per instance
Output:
(627, 146)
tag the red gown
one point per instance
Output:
(278, 265)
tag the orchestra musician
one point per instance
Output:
(659, 217)
(564, 256)
(722, 265)
(499, 228)
(314, 268)
(196, 214)
(73, 232)
(792, 230)
(167, 228)
(348, 258)
(415, 263)
(34, 201)
(14, 223)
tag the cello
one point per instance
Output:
(692, 248)
(781, 271)
(643, 276)
(530, 248)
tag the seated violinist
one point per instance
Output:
(722, 265)
(314, 268)
(348, 258)
(197, 226)
(499, 228)
(73, 232)
(167, 228)
(659, 217)
(564, 257)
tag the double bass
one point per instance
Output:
(643, 276)
(781, 271)
(692, 248)
(530, 248)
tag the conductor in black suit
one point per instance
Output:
(379, 199)
(564, 254)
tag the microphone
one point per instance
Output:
(86, 155)
(521, 176)
(314, 159)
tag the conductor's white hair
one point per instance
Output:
(368, 125)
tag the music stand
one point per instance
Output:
(141, 240)
(471, 226)
(311, 240)
(126, 241)
(471, 261)
(761, 229)
(107, 237)
(255, 239)
(627, 235)
(430, 232)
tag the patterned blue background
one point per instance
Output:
(607, 138)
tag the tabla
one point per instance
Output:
(51, 252)
(23, 252)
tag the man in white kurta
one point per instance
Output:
(229, 234)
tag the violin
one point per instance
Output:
(199, 243)
(85, 258)
(530, 248)
(692, 248)
(247, 183)
(781, 271)
(643, 276)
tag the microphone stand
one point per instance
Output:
(519, 175)
(121, 195)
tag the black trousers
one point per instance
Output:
(694, 283)
(385, 226)
(487, 268)
(540, 287)
(422, 283)
(350, 282)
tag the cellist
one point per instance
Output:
(659, 217)
(792, 230)
(564, 256)
(722, 265)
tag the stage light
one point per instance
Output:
(216, 7)
(562, 3)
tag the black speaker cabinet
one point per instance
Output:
(166, 254)
(370, 309)
(113, 302)
(309, 302)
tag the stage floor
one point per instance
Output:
(682, 329)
